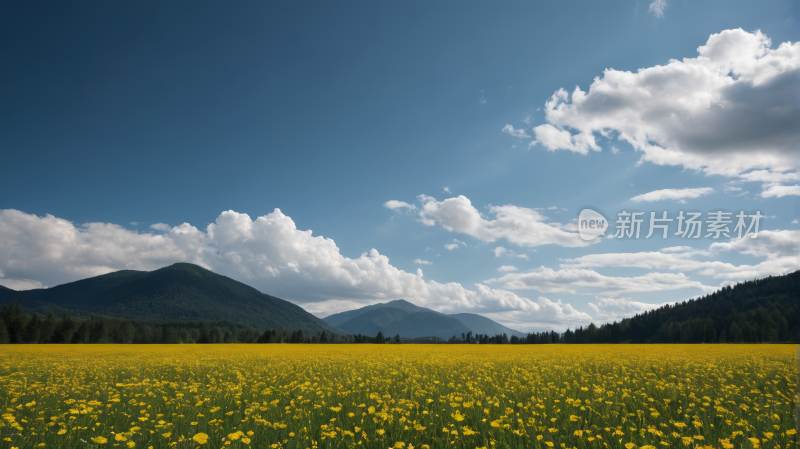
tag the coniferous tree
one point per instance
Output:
(3, 332)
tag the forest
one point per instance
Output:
(759, 311)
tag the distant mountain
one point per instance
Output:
(337, 319)
(411, 321)
(482, 325)
(181, 291)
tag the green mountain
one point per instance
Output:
(479, 324)
(411, 321)
(338, 319)
(181, 291)
(762, 310)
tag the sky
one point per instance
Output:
(340, 154)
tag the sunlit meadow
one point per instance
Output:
(398, 396)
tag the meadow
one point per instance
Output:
(398, 396)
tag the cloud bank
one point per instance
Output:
(268, 252)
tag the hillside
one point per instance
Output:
(338, 319)
(479, 324)
(411, 321)
(178, 292)
(762, 310)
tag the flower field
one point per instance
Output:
(397, 396)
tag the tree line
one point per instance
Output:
(760, 311)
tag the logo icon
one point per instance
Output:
(591, 224)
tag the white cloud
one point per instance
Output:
(454, 245)
(779, 249)
(794, 221)
(422, 262)
(499, 251)
(396, 205)
(676, 249)
(518, 225)
(269, 253)
(615, 309)
(779, 191)
(672, 194)
(657, 7)
(569, 280)
(554, 138)
(547, 315)
(727, 111)
(769, 176)
(732, 189)
(506, 268)
(19, 284)
(446, 190)
(516, 132)
(522, 256)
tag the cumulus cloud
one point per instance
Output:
(446, 190)
(731, 109)
(516, 132)
(422, 262)
(672, 194)
(794, 221)
(547, 315)
(657, 8)
(506, 268)
(499, 251)
(517, 225)
(396, 205)
(268, 252)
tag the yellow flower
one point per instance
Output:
(399, 445)
(629, 445)
(245, 440)
(380, 431)
(166, 435)
(100, 440)
(200, 438)
(62, 431)
(120, 437)
(131, 444)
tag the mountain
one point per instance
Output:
(411, 321)
(181, 291)
(339, 319)
(762, 310)
(479, 324)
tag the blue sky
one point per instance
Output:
(120, 123)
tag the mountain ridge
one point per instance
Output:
(365, 320)
(180, 291)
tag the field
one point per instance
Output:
(398, 396)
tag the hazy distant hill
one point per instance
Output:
(337, 319)
(482, 325)
(410, 321)
(181, 291)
